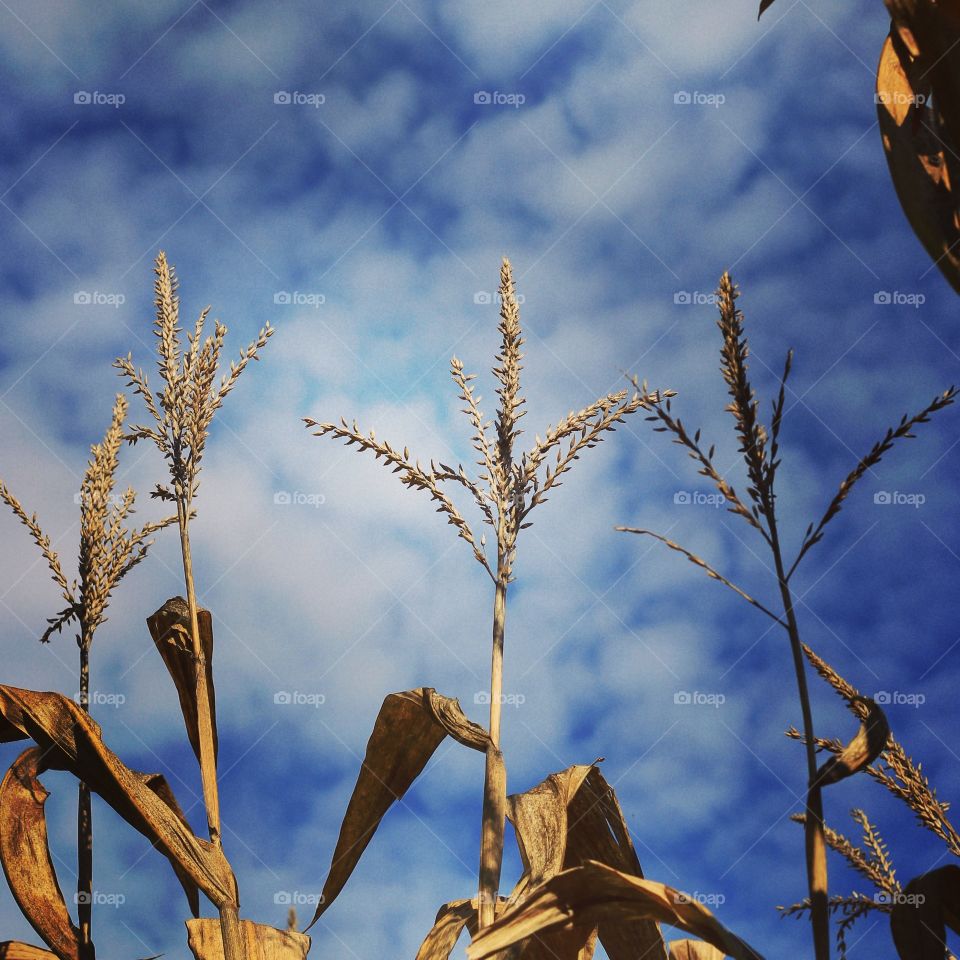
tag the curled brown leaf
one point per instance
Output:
(407, 731)
(593, 892)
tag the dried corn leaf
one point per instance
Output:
(442, 938)
(25, 856)
(913, 140)
(451, 919)
(262, 942)
(570, 818)
(17, 950)
(71, 740)
(594, 892)
(408, 729)
(862, 750)
(539, 817)
(25, 853)
(170, 629)
(694, 950)
(157, 782)
(928, 905)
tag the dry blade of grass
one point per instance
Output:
(408, 729)
(25, 853)
(170, 629)
(15, 950)
(568, 819)
(508, 487)
(260, 942)
(760, 450)
(182, 413)
(596, 892)
(693, 950)
(70, 740)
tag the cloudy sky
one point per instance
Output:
(354, 174)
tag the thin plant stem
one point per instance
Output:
(233, 946)
(815, 840)
(494, 784)
(208, 766)
(85, 824)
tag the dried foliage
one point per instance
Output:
(919, 918)
(108, 549)
(919, 911)
(70, 740)
(694, 950)
(170, 629)
(408, 730)
(508, 487)
(595, 892)
(184, 409)
(918, 111)
(893, 769)
(260, 942)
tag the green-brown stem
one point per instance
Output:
(816, 844)
(233, 947)
(85, 825)
(494, 784)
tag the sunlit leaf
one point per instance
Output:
(593, 892)
(262, 942)
(170, 629)
(694, 950)
(70, 740)
(16, 950)
(570, 818)
(408, 729)
(25, 855)
(862, 750)
(913, 141)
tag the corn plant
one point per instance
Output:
(108, 551)
(182, 413)
(760, 450)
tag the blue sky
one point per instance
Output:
(378, 200)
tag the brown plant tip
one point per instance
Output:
(108, 549)
(184, 408)
(509, 486)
